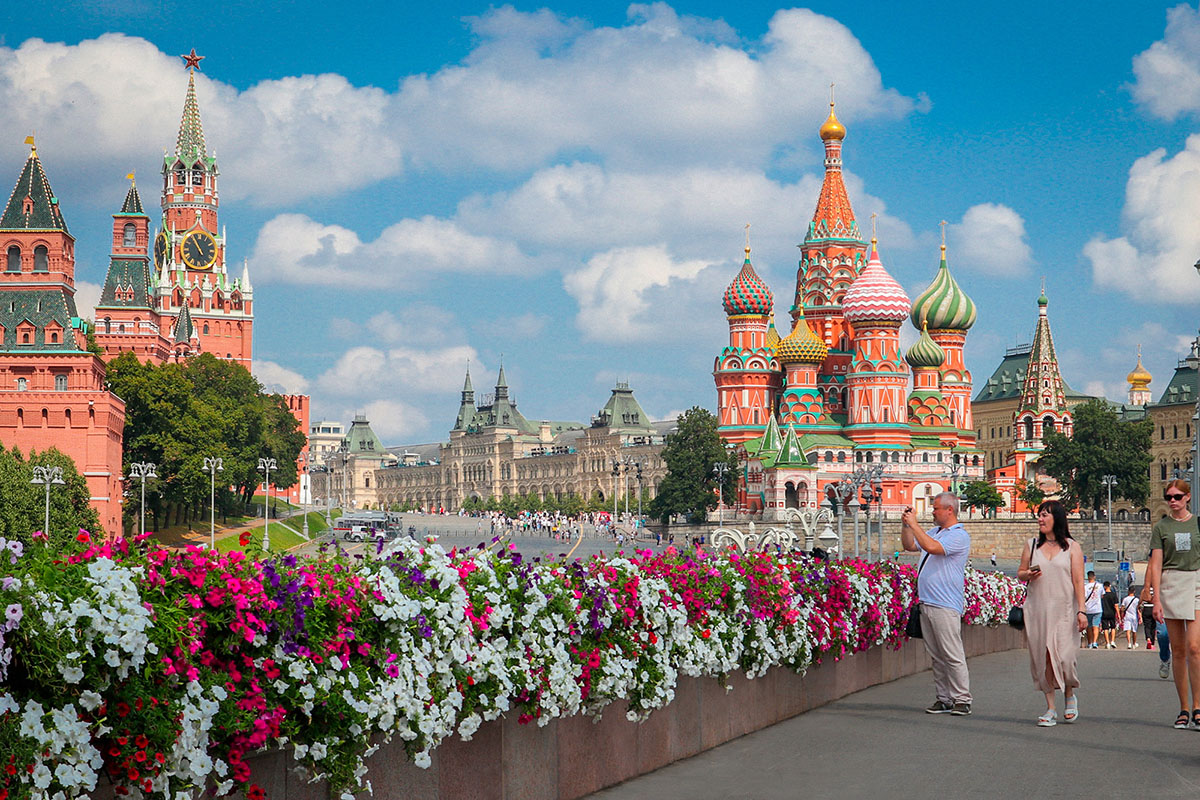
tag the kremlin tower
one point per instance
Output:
(1139, 383)
(832, 397)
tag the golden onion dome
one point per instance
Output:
(832, 129)
(801, 346)
(1140, 377)
(773, 338)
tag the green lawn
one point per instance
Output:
(281, 539)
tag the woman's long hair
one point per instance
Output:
(1060, 530)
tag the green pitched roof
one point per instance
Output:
(622, 411)
(39, 307)
(189, 146)
(133, 202)
(791, 453)
(772, 441)
(1183, 385)
(43, 212)
(362, 441)
(126, 285)
(184, 330)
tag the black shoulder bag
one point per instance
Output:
(1016, 614)
(912, 628)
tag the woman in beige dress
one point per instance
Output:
(1052, 564)
(1172, 573)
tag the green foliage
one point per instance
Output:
(1101, 445)
(690, 487)
(23, 509)
(981, 494)
(595, 503)
(1030, 494)
(177, 414)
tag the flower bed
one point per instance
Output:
(163, 670)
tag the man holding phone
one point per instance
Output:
(940, 583)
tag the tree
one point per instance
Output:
(690, 487)
(24, 508)
(1029, 493)
(981, 494)
(1101, 445)
(178, 414)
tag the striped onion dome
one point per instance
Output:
(925, 352)
(773, 339)
(874, 296)
(748, 294)
(944, 306)
(801, 346)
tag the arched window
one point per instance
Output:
(54, 337)
(60, 383)
(180, 174)
(14, 259)
(41, 259)
(1175, 432)
(206, 329)
(129, 235)
(197, 174)
(23, 385)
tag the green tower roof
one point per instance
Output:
(41, 212)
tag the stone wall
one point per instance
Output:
(1005, 537)
(573, 757)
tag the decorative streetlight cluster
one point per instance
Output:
(720, 470)
(143, 470)
(1109, 481)
(625, 466)
(48, 476)
(856, 493)
(265, 465)
(213, 466)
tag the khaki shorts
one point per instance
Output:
(1180, 591)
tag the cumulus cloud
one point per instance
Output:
(1168, 72)
(87, 295)
(113, 102)
(1153, 260)
(373, 372)
(293, 248)
(661, 88)
(394, 421)
(990, 238)
(623, 293)
(278, 378)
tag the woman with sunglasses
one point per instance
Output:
(1174, 561)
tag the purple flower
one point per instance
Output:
(16, 547)
(14, 613)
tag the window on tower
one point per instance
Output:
(41, 259)
(14, 259)
(197, 174)
(129, 235)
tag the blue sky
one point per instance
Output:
(419, 185)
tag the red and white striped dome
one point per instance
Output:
(875, 296)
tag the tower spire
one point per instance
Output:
(189, 146)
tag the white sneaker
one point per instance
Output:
(1164, 669)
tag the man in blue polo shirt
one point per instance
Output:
(945, 549)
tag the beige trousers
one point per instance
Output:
(942, 631)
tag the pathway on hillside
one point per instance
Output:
(879, 743)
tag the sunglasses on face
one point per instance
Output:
(1174, 496)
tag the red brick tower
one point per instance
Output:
(51, 387)
(190, 250)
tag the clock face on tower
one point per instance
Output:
(199, 250)
(160, 250)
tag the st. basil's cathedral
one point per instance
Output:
(807, 410)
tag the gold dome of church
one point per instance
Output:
(832, 129)
(1140, 377)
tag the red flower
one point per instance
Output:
(255, 792)
(244, 539)
(704, 634)
(122, 711)
(83, 537)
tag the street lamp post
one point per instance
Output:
(720, 470)
(1109, 481)
(265, 465)
(304, 484)
(48, 476)
(616, 470)
(213, 466)
(143, 470)
(639, 483)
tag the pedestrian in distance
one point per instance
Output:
(1052, 566)
(1108, 616)
(1147, 600)
(1131, 617)
(993, 559)
(1092, 592)
(941, 576)
(1173, 572)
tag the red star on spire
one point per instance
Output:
(191, 60)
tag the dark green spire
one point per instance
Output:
(183, 326)
(32, 205)
(133, 203)
(466, 408)
(189, 147)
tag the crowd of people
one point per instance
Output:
(1065, 610)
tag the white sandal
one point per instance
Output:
(1071, 709)
(1048, 720)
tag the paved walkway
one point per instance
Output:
(878, 743)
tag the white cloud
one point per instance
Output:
(372, 372)
(1153, 261)
(631, 293)
(393, 420)
(990, 238)
(660, 89)
(277, 378)
(87, 295)
(293, 248)
(1168, 72)
(113, 102)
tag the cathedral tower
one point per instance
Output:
(1043, 404)
(948, 313)
(1139, 383)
